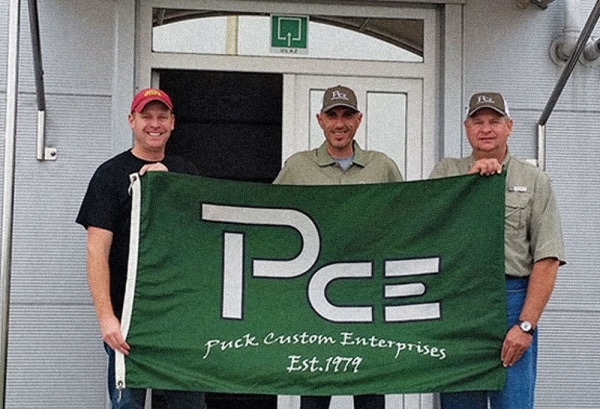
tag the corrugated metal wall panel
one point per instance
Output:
(77, 40)
(570, 352)
(52, 362)
(53, 330)
(48, 247)
(507, 49)
(569, 360)
(573, 148)
(55, 354)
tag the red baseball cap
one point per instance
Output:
(141, 99)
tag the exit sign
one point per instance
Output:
(289, 34)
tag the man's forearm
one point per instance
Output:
(98, 272)
(539, 289)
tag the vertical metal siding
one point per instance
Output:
(55, 354)
(53, 362)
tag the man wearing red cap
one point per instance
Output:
(105, 213)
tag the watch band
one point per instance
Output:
(526, 327)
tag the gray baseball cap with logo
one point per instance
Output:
(339, 96)
(491, 100)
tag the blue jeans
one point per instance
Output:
(360, 402)
(134, 398)
(518, 391)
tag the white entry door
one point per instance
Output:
(392, 116)
(392, 123)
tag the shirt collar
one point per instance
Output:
(504, 161)
(323, 158)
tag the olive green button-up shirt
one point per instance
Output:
(316, 167)
(532, 227)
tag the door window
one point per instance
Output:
(201, 32)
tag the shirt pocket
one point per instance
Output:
(516, 211)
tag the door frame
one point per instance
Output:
(441, 70)
(427, 71)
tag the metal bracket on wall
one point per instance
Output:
(48, 154)
(44, 152)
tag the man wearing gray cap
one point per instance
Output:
(533, 248)
(339, 160)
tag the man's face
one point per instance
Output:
(152, 127)
(488, 132)
(339, 126)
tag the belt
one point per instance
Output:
(509, 277)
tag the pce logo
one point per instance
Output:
(233, 274)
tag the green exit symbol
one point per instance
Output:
(289, 34)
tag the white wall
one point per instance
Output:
(55, 355)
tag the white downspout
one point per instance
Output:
(9, 178)
(567, 70)
(564, 46)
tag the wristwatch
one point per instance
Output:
(526, 327)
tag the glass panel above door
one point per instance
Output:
(329, 37)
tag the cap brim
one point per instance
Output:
(330, 107)
(479, 108)
(140, 107)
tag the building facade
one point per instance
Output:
(413, 65)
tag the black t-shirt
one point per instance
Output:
(107, 204)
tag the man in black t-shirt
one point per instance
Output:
(106, 211)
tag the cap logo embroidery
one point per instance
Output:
(152, 92)
(338, 95)
(482, 99)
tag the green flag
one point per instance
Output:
(336, 290)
